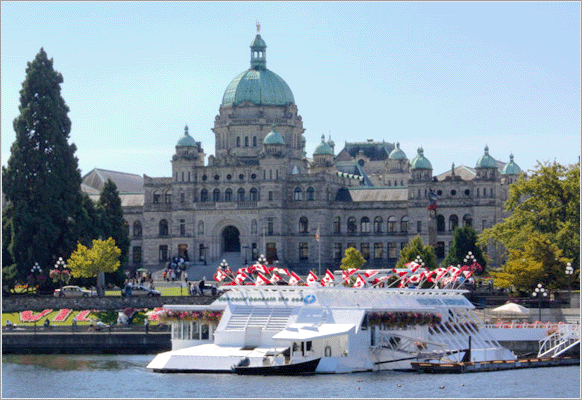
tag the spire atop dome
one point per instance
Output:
(258, 51)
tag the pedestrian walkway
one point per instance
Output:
(197, 270)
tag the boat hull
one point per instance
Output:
(302, 368)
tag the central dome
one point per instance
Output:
(257, 84)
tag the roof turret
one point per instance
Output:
(511, 168)
(274, 137)
(420, 161)
(486, 161)
(186, 140)
(397, 154)
(323, 148)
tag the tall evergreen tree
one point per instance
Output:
(464, 241)
(416, 248)
(41, 181)
(112, 224)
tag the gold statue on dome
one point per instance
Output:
(258, 27)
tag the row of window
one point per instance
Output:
(163, 227)
(214, 196)
(366, 226)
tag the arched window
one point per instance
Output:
(137, 229)
(365, 225)
(228, 194)
(378, 224)
(201, 228)
(404, 224)
(168, 197)
(352, 226)
(440, 223)
(297, 194)
(254, 227)
(303, 225)
(216, 195)
(391, 225)
(163, 228)
(204, 195)
(310, 194)
(254, 194)
(241, 195)
(337, 225)
(157, 197)
(453, 222)
(467, 220)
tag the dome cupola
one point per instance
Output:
(323, 148)
(186, 140)
(397, 154)
(511, 168)
(486, 161)
(273, 137)
(420, 161)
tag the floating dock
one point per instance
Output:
(500, 365)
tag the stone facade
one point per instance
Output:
(260, 194)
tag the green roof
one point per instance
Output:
(186, 140)
(420, 161)
(397, 154)
(257, 84)
(323, 148)
(511, 168)
(486, 161)
(274, 137)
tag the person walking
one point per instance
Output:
(185, 276)
(201, 287)
(74, 324)
(146, 324)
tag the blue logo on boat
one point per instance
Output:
(309, 299)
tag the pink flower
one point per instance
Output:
(29, 316)
(62, 315)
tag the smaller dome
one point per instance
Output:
(258, 42)
(486, 161)
(186, 140)
(511, 168)
(420, 161)
(397, 154)
(330, 142)
(323, 148)
(274, 137)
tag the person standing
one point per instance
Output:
(74, 324)
(146, 324)
(201, 287)
(185, 276)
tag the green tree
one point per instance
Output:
(546, 203)
(41, 182)
(417, 248)
(112, 224)
(102, 257)
(540, 261)
(464, 241)
(352, 259)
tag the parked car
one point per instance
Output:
(139, 290)
(74, 291)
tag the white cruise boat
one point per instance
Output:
(303, 329)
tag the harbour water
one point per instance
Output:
(126, 376)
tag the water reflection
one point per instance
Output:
(71, 363)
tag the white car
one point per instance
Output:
(74, 291)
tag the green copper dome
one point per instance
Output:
(486, 161)
(274, 137)
(323, 148)
(186, 140)
(397, 154)
(420, 161)
(511, 168)
(257, 84)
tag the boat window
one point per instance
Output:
(205, 332)
(195, 331)
(309, 346)
(187, 332)
(327, 351)
(365, 323)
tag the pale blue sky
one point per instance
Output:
(450, 77)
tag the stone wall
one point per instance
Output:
(37, 303)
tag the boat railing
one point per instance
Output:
(563, 338)
(523, 325)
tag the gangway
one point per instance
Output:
(563, 339)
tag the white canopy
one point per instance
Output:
(511, 308)
(311, 332)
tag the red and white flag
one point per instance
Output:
(403, 282)
(360, 282)
(275, 278)
(412, 266)
(370, 273)
(219, 276)
(240, 277)
(261, 280)
(328, 276)
(261, 268)
(467, 274)
(282, 271)
(311, 278)
(294, 279)
(347, 273)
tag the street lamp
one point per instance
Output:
(35, 271)
(245, 249)
(569, 272)
(60, 273)
(223, 265)
(262, 260)
(539, 292)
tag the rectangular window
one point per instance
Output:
(365, 250)
(270, 195)
(168, 198)
(418, 226)
(352, 245)
(337, 251)
(392, 251)
(483, 224)
(182, 197)
(163, 250)
(156, 199)
(270, 225)
(378, 251)
(182, 227)
(137, 254)
(303, 251)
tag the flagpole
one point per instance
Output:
(319, 251)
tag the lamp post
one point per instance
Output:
(569, 272)
(539, 292)
(262, 260)
(35, 271)
(245, 249)
(223, 265)
(61, 268)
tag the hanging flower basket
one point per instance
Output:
(208, 317)
(402, 319)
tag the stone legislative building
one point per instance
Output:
(261, 194)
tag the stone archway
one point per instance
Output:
(231, 239)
